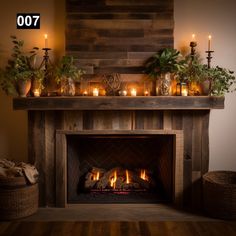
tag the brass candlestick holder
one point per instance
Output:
(209, 57)
(193, 45)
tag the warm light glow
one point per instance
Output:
(133, 92)
(85, 93)
(146, 93)
(127, 176)
(46, 41)
(143, 175)
(97, 176)
(36, 93)
(184, 92)
(209, 42)
(95, 92)
(193, 37)
(113, 180)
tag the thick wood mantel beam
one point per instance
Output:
(119, 103)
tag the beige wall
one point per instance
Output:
(200, 17)
(217, 18)
(13, 124)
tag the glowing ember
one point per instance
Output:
(113, 180)
(127, 176)
(143, 175)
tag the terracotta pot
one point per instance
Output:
(206, 87)
(23, 87)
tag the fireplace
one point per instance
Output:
(121, 168)
(52, 122)
(95, 166)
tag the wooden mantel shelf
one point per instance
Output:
(119, 103)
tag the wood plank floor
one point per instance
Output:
(136, 228)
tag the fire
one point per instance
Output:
(127, 176)
(143, 175)
(113, 180)
(96, 176)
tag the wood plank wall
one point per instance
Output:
(43, 124)
(117, 36)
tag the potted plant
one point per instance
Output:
(160, 67)
(192, 73)
(67, 74)
(17, 75)
(221, 80)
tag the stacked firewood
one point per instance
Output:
(10, 169)
(116, 179)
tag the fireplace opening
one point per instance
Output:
(119, 168)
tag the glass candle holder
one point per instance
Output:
(133, 92)
(184, 89)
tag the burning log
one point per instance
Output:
(93, 177)
(118, 179)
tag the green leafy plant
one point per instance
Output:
(222, 80)
(193, 70)
(19, 67)
(66, 68)
(164, 61)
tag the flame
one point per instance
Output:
(113, 180)
(96, 176)
(127, 176)
(143, 175)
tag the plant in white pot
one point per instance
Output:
(161, 66)
(16, 77)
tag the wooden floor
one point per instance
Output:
(137, 228)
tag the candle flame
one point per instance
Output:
(193, 36)
(45, 36)
(209, 37)
(127, 176)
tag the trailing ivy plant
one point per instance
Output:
(222, 80)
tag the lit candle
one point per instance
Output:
(95, 92)
(209, 43)
(146, 93)
(193, 37)
(85, 93)
(46, 40)
(36, 93)
(133, 92)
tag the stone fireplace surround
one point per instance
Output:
(50, 119)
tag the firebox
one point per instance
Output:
(124, 168)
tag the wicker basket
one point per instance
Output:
(219, 194)
(18, 201)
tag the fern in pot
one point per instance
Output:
(161, 67)
(16, 77)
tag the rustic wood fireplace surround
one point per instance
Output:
(117, 36)
(50, 119)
